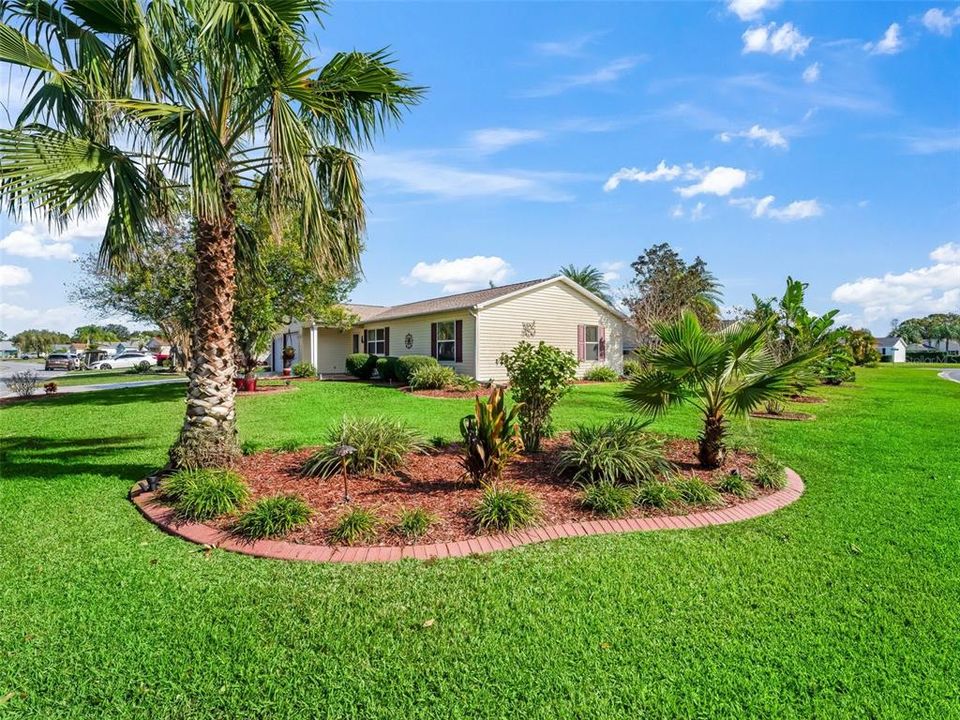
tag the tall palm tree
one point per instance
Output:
(147, 109)
(589, 278)
(729, 372)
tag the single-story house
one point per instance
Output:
(8, 349)
(892, 347)
(468, 331)
(159, 347)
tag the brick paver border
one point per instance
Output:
(205, 535)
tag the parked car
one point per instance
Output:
(128, 359)
(61, 361)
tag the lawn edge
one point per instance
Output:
(164, 518)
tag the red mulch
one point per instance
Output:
(15, 399)
(785, 415)
(812, 399)
(431, 480)
(455, 394)
(265, 389)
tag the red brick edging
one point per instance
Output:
(205, 535)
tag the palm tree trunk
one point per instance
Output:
(712, 451)
(208, 437)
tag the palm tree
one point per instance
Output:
(724, 373)
(145, 110)
(589, 278)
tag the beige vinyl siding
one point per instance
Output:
(333, 346)
(419, 328)
(556, 310)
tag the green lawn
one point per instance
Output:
(845, 604)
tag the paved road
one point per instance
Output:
(9, 368)
(951, 375)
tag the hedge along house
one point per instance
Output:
(468, 331)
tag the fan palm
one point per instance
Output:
(589, 278)
(729, 372)
(145, 110)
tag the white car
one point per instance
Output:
(126, 359)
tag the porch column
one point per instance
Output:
(313, 346)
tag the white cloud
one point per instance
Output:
(925, 290)
(889, 44)
(949, 253)
(566, 48)
(716, 181)
(937, 21)
(34, 240)
(697, 212)
(12, 275)
(492, 140)
(751, 9)
(64, 318)
(411, 173)
(676, 212)
(770, 138)
(460, 274)
(770, 39)
(604, 75)
(812, 73)
(663, 172)
(611, 270)
(763, 207)
(930, 142)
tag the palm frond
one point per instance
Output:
(655, 392)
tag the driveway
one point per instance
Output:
(9, 368)
(951, 375)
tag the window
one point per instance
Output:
(447, 341)
(591, 342)
(376, 342)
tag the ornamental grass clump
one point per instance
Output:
(607, 499)
(414, 523)
(616, 452)
(505, 508)
(694, 491)
(491, 438)
(656, 494)
(601, 373)
(355, 526)
(432, 377)
(769, 474)
(735, 484)
(205, 494)
(378, 445)
(272, 517)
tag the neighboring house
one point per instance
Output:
(951, 345)
(469, 331)
(8, 349)
(159, 347)
(892, 347)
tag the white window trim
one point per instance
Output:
(587, 344)
(382, 342)
(452, 342)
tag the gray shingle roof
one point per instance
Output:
(446, 303)
(887, 341)
(364, 312)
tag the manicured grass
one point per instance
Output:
(845, 604)
(103, 377)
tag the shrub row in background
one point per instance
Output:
(303, 370)
(601, 373)
(361, 365)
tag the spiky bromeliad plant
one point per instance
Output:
(154, 111)
(729, 372)
(491, 437)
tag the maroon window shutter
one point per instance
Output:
(386, 341)
(356, 343)
(581, 343)
(433, 339)
(602, 343)
(459, 339)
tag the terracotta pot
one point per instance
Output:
(286, 372)
(238, 383)
(250, 385)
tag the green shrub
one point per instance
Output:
(615, 452)
(465, 383)
(695, 491)
(539, 376)
(632, 368)
(505, 509)
(438, 442)
(769, 474)
(735, 484)
(491, 437)
(414, 523)
(272, 517)
(206, 494)
(303, 370)
(387, 368)
(356, 525)
(432, 377)
(289, 445)
(379, 445)
(361, 365)
(836, 368)
(406, 364)
(141, 368)
(249, 447)
(607, 499)
(656, 494)
(601, 373)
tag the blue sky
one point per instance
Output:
(819, 140)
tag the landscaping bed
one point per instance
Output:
(785, 415)
(431, 480)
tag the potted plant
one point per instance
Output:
(288, 354)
